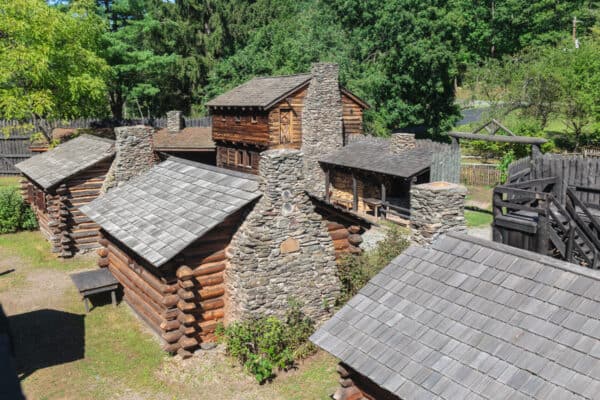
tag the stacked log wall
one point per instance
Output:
(153, 296)
(341, 188)
(81, 189)
(207, 260)
(183, 301)
(352, 116)
(295, 103)
(346, 239)
(241, 125)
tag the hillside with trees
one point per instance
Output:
(133, 58)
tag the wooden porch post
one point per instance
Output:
(535, 151)
(327, 185)
(354, 193)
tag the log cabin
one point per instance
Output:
(165, 232)
(266, 113)
(189, 142)
(373, 176)
(57, 183)
(466, 318)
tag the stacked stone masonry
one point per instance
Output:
(400, 142)
(322, 125)
(283, 250)
(134, 154)
(436, 208)
(174, 121)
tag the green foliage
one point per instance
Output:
(505, 162)
(543, 84)
(15, 214)
(264, 344)
(355, 271)
(49, 63)
(477, 218)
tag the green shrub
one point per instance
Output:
(263, 344)
(355, 271)
(15, 214)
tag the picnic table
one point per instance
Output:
(94, 282)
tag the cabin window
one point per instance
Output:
(238, 118)
(253, 119)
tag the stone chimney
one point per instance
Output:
(134, 154)
(400, 142)
(322, 126)
(436, 208)
(174, 121)
(283, 250)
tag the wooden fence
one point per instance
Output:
(577, 171)
(15, 136)
(480, 174)
(445, 166)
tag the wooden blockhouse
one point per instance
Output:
(164, 238)
(266, 113)
(59, 182)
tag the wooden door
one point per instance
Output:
(285, 126)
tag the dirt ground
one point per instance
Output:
(62, 353)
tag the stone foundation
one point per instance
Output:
(134, 154)
(283, 249)
(436, 208)
(322, 125)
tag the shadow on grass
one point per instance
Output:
(45, 338)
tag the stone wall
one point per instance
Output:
(322, 125)
(283, 249)
(134, 154)
(436, 208)
(400, 142)
(174, 121)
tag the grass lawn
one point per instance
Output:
(478, 219)
(9, 181)
(63, 353)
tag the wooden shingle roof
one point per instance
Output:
(375, 156)
(65, 160)
(472, 319)
(159, 213)
(188, 139)
(262, 92)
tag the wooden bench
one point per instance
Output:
(94, 282)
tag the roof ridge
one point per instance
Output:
(528, 255)
(94, 137)
(212, 168)
(283, 76)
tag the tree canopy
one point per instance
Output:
(49, 61)
(133, 58)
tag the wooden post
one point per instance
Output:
(327, 184)
(535, 151)
(569, 251)
(384, 198)
(455, 143)
(354, 193)
(496, 234)
(542, 229)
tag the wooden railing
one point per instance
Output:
(564, 225)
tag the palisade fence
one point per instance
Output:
(480, 174)
(15, 136)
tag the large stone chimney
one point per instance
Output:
(400, 142)
(283, 250)
(322, 125)
(134, 154)
(174, 121)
